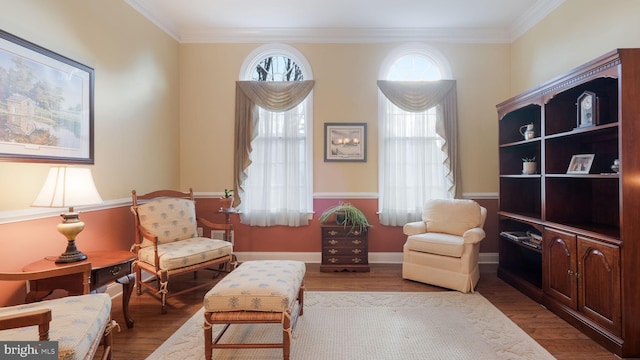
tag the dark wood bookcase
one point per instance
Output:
(590, 222)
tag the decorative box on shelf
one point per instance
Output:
(343, 249)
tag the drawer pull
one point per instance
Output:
(356, 251)
(115, 270)
(333, 260)
(333, 251)
(333, 241)
(356, 242)
(333, 233)
(356, 260)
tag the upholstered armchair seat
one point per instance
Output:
(186, 252)
(443, 248)
(79, 322)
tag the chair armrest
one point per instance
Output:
(414, 228)
(41, 318)
(147, 235)
(215, 226)
(473, 236)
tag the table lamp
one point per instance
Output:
(69, 187)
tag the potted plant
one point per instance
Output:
(226, 202)
(529, 165)
(347, 215)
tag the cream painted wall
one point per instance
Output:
(136, 93)
(345, 91)
(576, 32)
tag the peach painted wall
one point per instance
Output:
(28, 241)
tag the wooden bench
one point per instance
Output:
(257, 292)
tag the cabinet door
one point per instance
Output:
(559, 263)
(599, 283)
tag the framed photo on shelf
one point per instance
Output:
(345, 142)
(580, 164)
(46, 105)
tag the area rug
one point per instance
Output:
(374, 325)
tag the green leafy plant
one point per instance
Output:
(227, 193)
(532, 159)
(347, 215)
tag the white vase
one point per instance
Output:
(529, 167)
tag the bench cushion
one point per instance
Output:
(261, 285)
(187, 252)
(77, 322)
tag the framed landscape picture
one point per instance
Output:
(345, 142)
(46, 105)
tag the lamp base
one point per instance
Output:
(70, 227)
(71, 254)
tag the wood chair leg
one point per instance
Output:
(208, 338)
(138, 283)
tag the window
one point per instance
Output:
(278, 188)
(414, 162)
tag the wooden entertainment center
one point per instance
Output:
(589, 217)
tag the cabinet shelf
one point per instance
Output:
(521, 142)
(608, 176)
(584, 131)
(586, 269)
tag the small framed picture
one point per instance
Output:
(580, 164)
(345, 142)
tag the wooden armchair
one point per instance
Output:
(79, 322)
(167, 242)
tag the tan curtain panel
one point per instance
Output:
(274, 96)
(418, 96)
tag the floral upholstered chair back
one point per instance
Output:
(170, 219)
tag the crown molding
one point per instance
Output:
(163, 22)
(343, 35)
(521, 25)
(531, 17)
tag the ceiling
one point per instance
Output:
(344, 21)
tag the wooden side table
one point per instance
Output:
(227, 213)
(106, 267)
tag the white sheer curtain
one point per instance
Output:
(272, 153)
(418, 135)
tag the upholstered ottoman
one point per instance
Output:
(257, 292)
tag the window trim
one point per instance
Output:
(419, 48)
(276, 49)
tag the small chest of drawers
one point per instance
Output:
(343, 250)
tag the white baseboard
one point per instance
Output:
(315, 257)
(115, 290)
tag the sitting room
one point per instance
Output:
(260, 121)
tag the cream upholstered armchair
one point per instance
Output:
(167, 242)
(443, 248)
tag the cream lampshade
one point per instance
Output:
(69, 187)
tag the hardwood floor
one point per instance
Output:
(561, 339)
